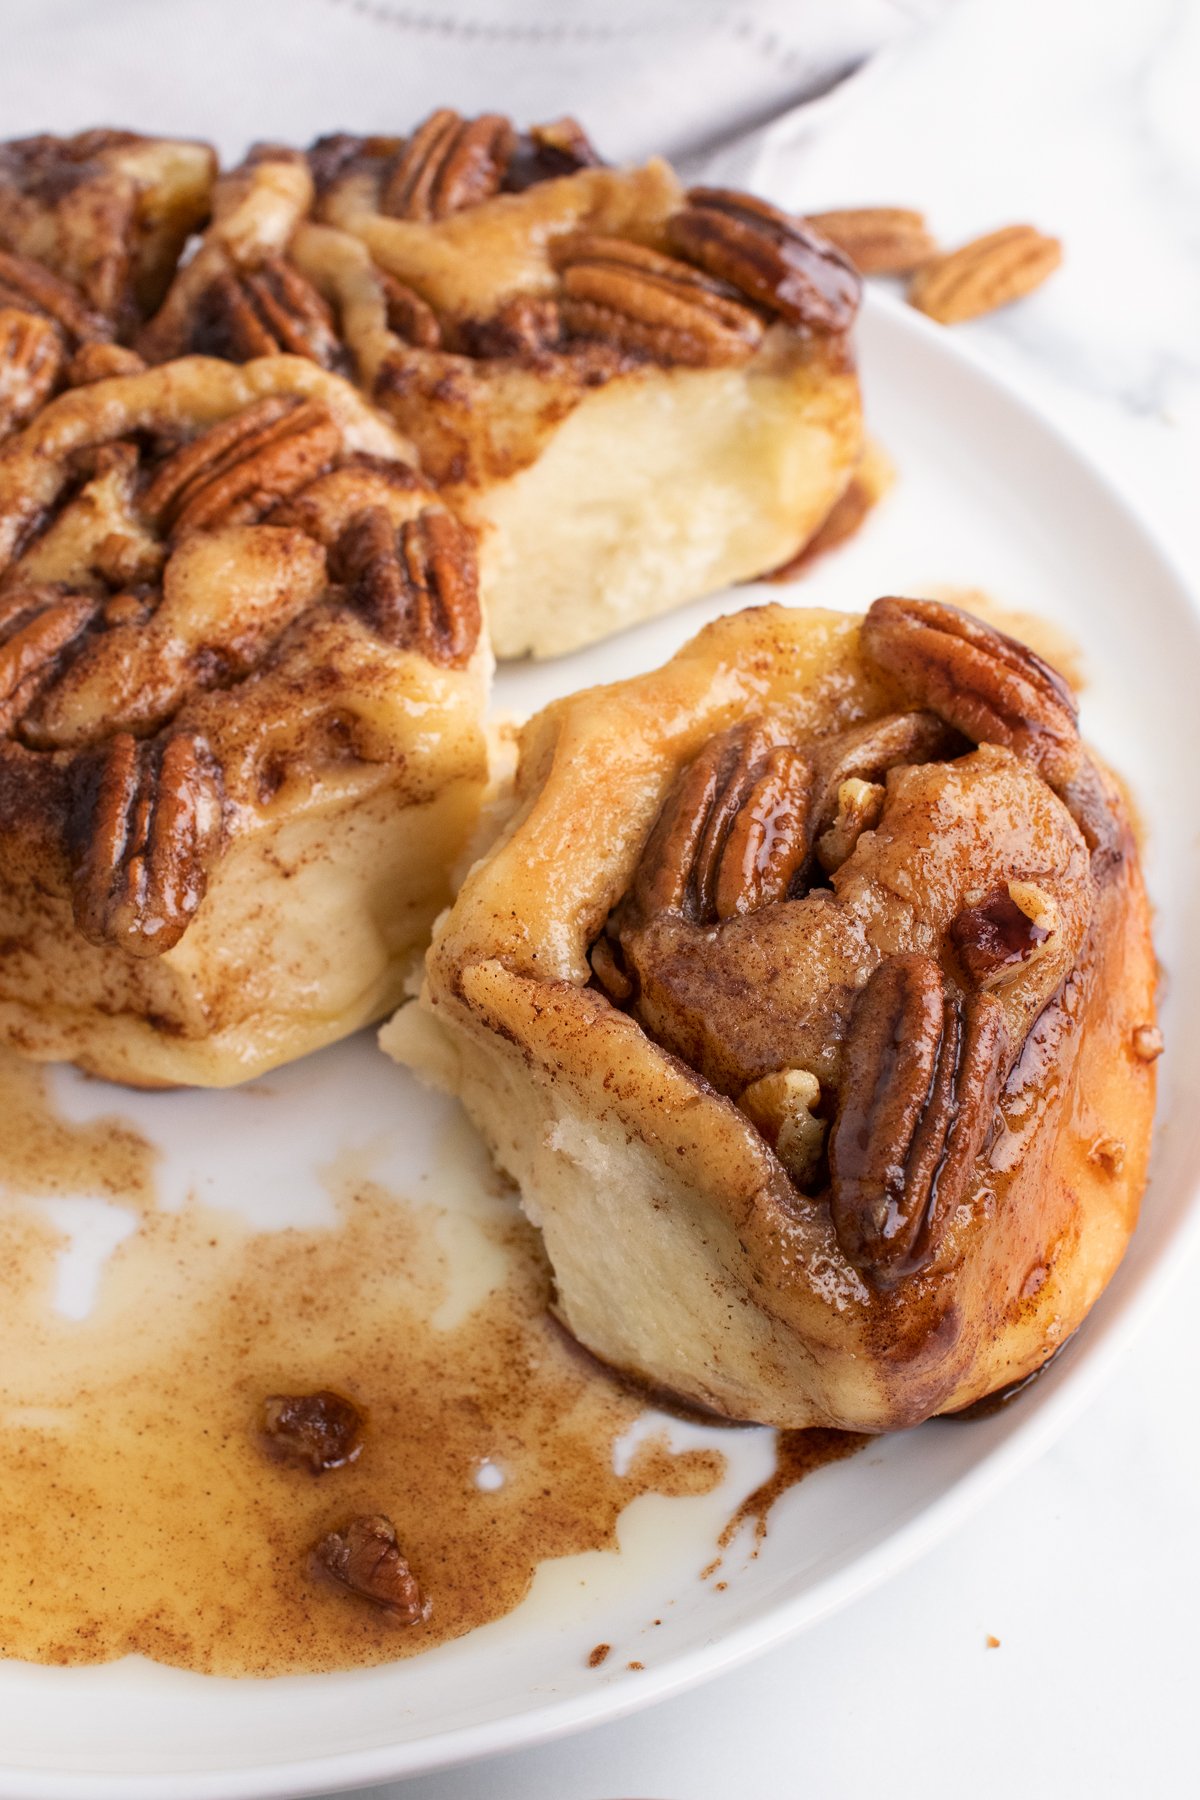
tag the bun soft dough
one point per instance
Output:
(809, 998)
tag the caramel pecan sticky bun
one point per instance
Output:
(90, 230)
(636, 394)
(809, 997)
(241, 693)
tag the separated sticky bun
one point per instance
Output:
(809, 997)
(636, 394)
(241, 696)
(90, 231)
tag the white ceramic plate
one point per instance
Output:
(991, 497)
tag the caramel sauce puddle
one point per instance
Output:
(140, 1512)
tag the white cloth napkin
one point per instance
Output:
(697, 79)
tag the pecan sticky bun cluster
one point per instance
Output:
(825, 1064)
(904, 909)
(634, 393)
(91, 228)
(225, 598)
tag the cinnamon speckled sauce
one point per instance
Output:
(153, 1299)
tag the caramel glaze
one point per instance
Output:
(797, 1455)
(141, 1513)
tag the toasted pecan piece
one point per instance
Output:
(35, 628)
(144, 831)
(732, 832)
(921, 1072)
(879, 240)
(448, 163)
(987, 685)
(318, 1431)
(545, 152)
(26, 284)
(408, 315)
(984, 275)
(364, 1556)
(238, 470)
(995, 939)
(263, 311)
(650, 304)
(417, 587)
(769, 256)
(31, 355)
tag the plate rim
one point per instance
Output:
(1056, 1408)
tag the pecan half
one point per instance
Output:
(920, 1077)
(985, 274)
(31, 355)
(408, 315)
(448, 163)
(769, 256)
(545, 152)
(651, 305)
(263, 311)
(145, 828)
(316, 1431)
(988, 686)
(26, 284)
(365, 1557)
(732, 833)
(35, 628)
(879, 240)
(417, 587)
(238, 470)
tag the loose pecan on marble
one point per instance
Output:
(921, 1072)
(417, 587)
(144, 831)
(988, 686)
(236, 471)
(651, 305)
(448, 163)
(769, 256)
(879, 240)
(365, 1557)
(985, 274)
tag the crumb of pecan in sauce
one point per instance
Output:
(317, 1431)
(365, 1557)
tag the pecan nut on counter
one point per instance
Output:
(805, 996)
(242, 685)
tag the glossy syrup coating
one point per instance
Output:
(815, 1134)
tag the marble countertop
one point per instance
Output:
(1082, 118)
